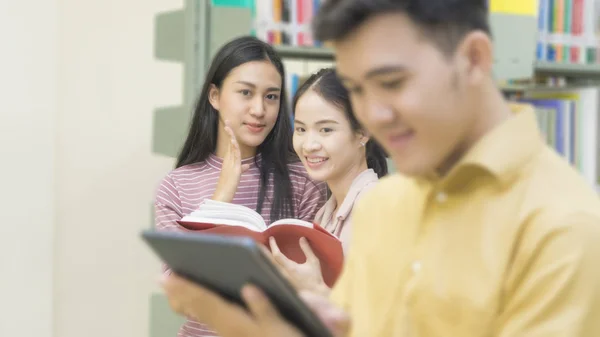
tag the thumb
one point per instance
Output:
(276, 253)
(334, 318)
(259, 304)
(340, 325)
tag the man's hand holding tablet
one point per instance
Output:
(261, 318)
(233, 285)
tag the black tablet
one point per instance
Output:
(225, 264)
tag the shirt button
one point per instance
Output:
(416, 266)
(441, 197)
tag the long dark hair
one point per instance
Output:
(276, 151)
(326, 84)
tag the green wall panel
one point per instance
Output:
(514, 58)
(163, 321)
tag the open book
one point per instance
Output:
(223, 218)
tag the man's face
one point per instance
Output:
(406, 92)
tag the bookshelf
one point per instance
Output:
(575, 71)
(518, 88)
(311, 53)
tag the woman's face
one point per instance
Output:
(324, 140)
(249, 99)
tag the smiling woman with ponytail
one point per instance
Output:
(334, 148)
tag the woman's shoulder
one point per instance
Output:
(366, 182)
(190, 173)
(296, 168)
(299, 176)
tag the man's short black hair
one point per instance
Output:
(445, 22)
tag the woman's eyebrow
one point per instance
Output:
(252, 85)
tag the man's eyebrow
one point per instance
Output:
(383, 70)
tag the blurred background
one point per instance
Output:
(95, 97)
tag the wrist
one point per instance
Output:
(323, 289)
(217, 196)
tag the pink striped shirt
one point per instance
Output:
(184, 188)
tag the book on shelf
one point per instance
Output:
(297, 71)
(285, 22)
(569, 31)
(570, 123)
(221, 218)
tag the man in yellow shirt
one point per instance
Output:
(485, 231)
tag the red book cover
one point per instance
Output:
(221, 218)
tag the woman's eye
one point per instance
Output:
(273, 97)
(326, 130)
(245, 92)
(299, 129)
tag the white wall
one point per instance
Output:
(106, 174)
(28, 60)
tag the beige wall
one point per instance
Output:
(106, 174)
(27, 132)
(79, 84)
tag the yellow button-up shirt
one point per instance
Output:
(506, 244)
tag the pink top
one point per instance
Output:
(340, 224)
(184, 188)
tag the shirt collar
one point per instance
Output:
(217, 162)
(504, 150)
(358, 184)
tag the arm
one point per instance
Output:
(167, 209)
(554, 289)
(313, 198)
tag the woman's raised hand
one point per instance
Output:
(231, 170)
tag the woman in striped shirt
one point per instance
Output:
(238, 145)
(334, 148)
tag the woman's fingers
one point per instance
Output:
(228, 129)
(234, 147)
(308, 252)
(274, 248)
(231, 170)
(278, 255)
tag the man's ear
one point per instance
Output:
(476, 56)
(213, 96)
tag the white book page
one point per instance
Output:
(227, 213)
(224, 221)
(296, 222)
(292, 222)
